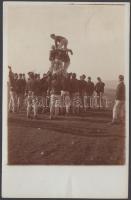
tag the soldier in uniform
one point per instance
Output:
(32, 100)
(82, 91)
(20, 90)
(38, 92)
(13, 93)
(99, 88)
(119, 107)
(10, 83)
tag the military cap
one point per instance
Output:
(121, 77)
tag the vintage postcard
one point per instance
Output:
(65, 100)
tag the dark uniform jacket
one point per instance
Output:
(66, 84)
(37, 88)
(90, 88)
(11, 79)
(19, 86)
(56, 87)
(44, 85)
(120, 91)
(24, 85)
(82, 87)
(30, 86)
(99, 87)
(74, 85)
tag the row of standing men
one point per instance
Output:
(59, 93)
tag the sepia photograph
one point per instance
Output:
(66, 84)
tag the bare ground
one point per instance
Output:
(74, 140)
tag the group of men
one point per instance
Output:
(61, 93)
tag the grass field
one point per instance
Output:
(88, 139)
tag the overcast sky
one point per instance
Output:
(95, 34)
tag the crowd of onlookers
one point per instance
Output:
(60, 93)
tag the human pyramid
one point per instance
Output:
(58, 91)
(59, 55)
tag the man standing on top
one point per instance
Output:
(99, 88)
(60, 41)
(119, 107)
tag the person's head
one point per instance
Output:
(121, 78)
(44, 75)
(83, 77)
(70, 74)
(99, 79)
(20, 76)
(38, 76)
(52, 36)
(89, 78)
(31, 75)
(67, 75)
(74, 75)
(9, 67)
(15, 76)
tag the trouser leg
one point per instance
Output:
(52, 105)
(57, 104)
(19, 102)
(29, 107)
(35, 109)
(11, 101)
(116, 110)
(122, 112)
(14, 101)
